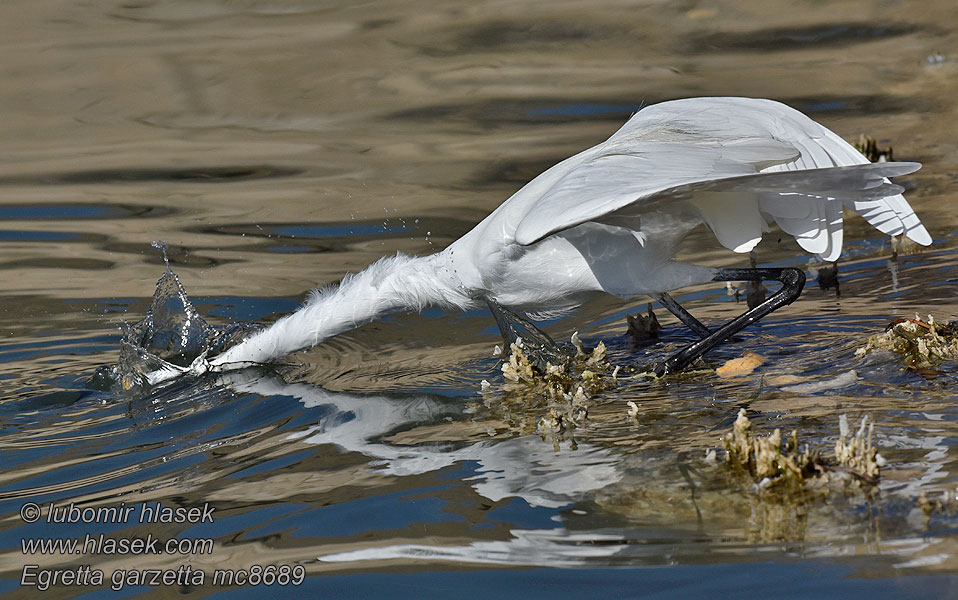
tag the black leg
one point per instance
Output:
(754, 290)
(685, 316)
(793, 280)
(539, 347)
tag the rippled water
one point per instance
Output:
(277, 146)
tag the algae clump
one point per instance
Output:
(923, 345)
(770, 464)
(550, 400)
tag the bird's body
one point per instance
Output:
(610, 218)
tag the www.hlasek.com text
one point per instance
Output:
(101, 544)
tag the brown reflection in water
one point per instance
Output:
(140, 95)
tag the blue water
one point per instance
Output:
(501, 492)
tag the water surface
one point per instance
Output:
(278, 146)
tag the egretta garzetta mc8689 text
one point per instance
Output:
(610, 218)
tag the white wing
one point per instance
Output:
(740, 162)
(624, 173)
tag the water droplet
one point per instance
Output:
(162, 247)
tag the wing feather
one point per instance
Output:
(625, 174)
(737, 160)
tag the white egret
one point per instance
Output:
(610, 218)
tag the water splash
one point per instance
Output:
(172, 330)
(171, 339)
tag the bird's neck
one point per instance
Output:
(390, 284)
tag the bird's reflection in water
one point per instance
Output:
(522, 467)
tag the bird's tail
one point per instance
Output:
(807, 204)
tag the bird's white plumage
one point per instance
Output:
(667, 147)
(609, 219)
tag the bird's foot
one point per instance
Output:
(540, 349)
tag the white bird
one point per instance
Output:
(610, 218)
